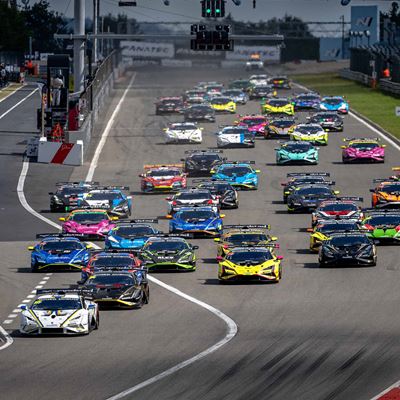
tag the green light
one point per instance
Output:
(208, 10)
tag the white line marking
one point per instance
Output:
(6, 322)
(26, 301)
(33, 291)
(49, 274)
(16, 310)
(30, 296)
(17, 104)
(10, 94)
(39, 287)
(42, 282)
(46, 278)
(12, 316)
(21, 305)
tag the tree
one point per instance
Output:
(13, 35)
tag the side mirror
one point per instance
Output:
(23, 307)
(217, 239)
(273, 238)
(51, 193)
(182, 159)
(222, 215)
(89, 246)
(165, 129)
(336, 192)
(195, 247)
(169, 198)
(62, 219)
(31, 248)
(141, 175)
(212, 171)
(219, 258)
(129, 197)
(114, 218)
(383, 145)
(372, 190)
(308, 118)
(169, 216)
(91, 307)
(257, 171)
(279, 257)
(343, 147)
(310, 230)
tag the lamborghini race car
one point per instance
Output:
(258, 79)
(58, 252)
(324, 229)
(90, 222)
(199, 93)
(130, 235)
(110, 198)
(168, 253)
(192, 197)
(186, 132)
(308, 197)
(363, 150)
(60, 311)
(228, 197)
(312, 133)
(243, 236)
(250, 264)
(198, 220)
(254, 123)
(279, 127)
(343, 208)
(280, 105)
(235, 136)
(201, 162)
(382, 225)
(347, 248)
(163, 178)
(280, 82)
(300, 178)
(262, 92)
(386, 194)
(254, 63)
(299, 153)
(334, 103)
(240, 174)
(169, 105)
(306, 101)
(329, 120)
(237, 95)
(199, 112)
(242, 84)
(223, 104)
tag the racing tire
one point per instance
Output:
(147, 295)
(97, 322)
(53, 209)
(344, 160)
(34, 268)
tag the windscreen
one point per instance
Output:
(297, 147)
(68, 191)
(220, 100)
(169, 245)
(381, 220)
(339, 207)
(332, 101)
(309, 129)
(249, 257)
(107, 261)
(364, 146)
(104, 196)
(193, 196)
(349, 240)
(314, 191)
(278, 103)
(338, 227)
(242, 238)
(56, 304)
(88, 218)
(195, 215)
(205, 157)
(61, 246)
(132, 231)
(111, 279)
(163, 173)
(235, 171)
(253, 121)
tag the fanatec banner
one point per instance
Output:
(267, 53)
(138, 49)
(364, 19)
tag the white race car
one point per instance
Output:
(60, 311)
(235, 136)
(186, 132)
(261, 79)
(254, 63)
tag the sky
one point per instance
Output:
(190, 10)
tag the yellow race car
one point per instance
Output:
(280, 105)
(312, 133)
(250, 264)
(223, 104)
(243, 235)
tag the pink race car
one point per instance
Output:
(255, 123)
(363, 150)
(92, 222)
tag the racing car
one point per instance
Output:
(162, 178)
(280, 105)
(199, 93)
(240, 174)
(279, 127)
(308, 197)
(386, 194)
(203, 85)
(110, 198)
(235, 136)
(60, 311)
(300, 153)
(166, 105)
(250, 264)
(228, 197)
(347, 248)
(306, 101)
(334, 103)
(186, 132)
(258, 79)
(243, 236)
(214, 88)
(242, 84)
(130, 235)
(363, 150)
(261, 92)
(199, 112)
(312, 133)
(201, 162)
(169, 253)
(383, 226)
(325, 228)
(90, 222)
(192, 197)
(254, 123)
(223, 104)
(329, 121)
(280, 82)
(237, 95)
(59, 252)
(197, 220)
(254, 63)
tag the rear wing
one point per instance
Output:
(87, 293)
(139, 221)
(111, 251)
(385, 211)
(396, 169)
(296, 174)
(247, 227)
(361, 139)
(204, 151)
(81, 183)
(111, 187)
(252, 162)
(380, 180)
(179, 235)
(153, 166)
(121, 268)
(61, 235)
(94, 207)
(351, 198)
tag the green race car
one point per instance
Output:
(382, 225)
(300, 153)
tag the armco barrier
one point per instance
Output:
(60, 153)
(390, 87)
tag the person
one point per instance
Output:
(3, 76)
(57, 83)
(386, 73)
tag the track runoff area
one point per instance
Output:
(319, 334)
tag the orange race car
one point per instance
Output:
(386, 194)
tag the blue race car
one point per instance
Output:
(240, 174)
(334, 103)
(203, 221)
(130, 235)
(59, 251)
(294, 152)
(306, 101)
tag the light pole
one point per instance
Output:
(79, 45)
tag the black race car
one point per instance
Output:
(166, 105)
(307, 197)
(279, 82)
(347, 248)
(328, 120)
(199, 112)
(228, 197)
(68, 194)
(261, 91)
(201, 162)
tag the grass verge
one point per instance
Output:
(373, 104)
(12, 87)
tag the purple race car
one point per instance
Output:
(363, 150)
(93, 223)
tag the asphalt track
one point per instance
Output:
(318, 334)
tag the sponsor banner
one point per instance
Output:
(167, 62)
(330, 49)
(132, 48)
(365, 18)
(267, 53)
(182, 50)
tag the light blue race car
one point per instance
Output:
(240, 174)
(334, 103)
(131, 234)
(299, 153)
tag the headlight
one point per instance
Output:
(322, 107)
(122, 207)
(30, 319)
(328, 251)
(177, 184)
(57, 200)
(112, 239)
(365, 252)
(185, 258)
(148, 184)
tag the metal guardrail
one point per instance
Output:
(390, 87)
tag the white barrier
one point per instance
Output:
(60, 153)
(165, 62)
